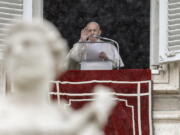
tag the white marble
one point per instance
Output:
(167, 128)
(36, 53)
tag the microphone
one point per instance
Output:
(108, 39)
(96, 36)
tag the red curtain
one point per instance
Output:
(132, 87)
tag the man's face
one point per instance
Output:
(93, 29)
(29, 58)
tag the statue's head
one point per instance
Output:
(36, 52)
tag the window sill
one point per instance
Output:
(166, 81)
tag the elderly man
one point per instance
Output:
(89, 35)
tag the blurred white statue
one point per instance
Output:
(36, 53)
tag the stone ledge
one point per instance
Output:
(166, 115)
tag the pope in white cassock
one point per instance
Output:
(88, 38)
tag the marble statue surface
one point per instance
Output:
(36, 53)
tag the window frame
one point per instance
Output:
(165, 76)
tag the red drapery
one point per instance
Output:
(132, 114)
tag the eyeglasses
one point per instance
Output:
(92, 30)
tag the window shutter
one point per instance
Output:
(10, 12)
(169, 26)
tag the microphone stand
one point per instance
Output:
(111, 40)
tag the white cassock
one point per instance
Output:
(77, 53)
